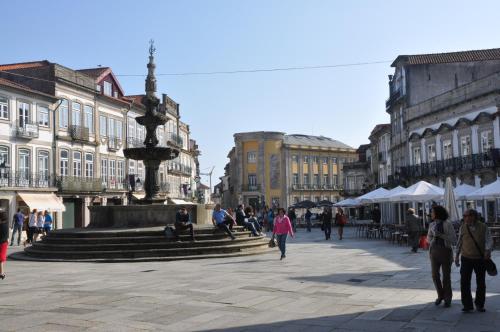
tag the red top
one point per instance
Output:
(282, 225)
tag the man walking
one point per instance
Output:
(414, 226)
(17, 227)
(308, 219)
(474, 245)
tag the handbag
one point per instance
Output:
(273, 243)
(490, 266)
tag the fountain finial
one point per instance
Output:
(151, 79)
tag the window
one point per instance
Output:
(335, 180)
(326, 179)
(306, 159)
(486, 141)
(4, 161)
(251, 157)
(88, 118)
(140, 170)
(306, 179)
(76, 114)
(431, 152)
(316, 179)
(4, 108)
(89, 165)
(315, 160)
(120, 175)
(77, 164)
(24, 114)
(417, 158)
(111, 127)
(103, 126)
(108, 89)
(447, 149)
(252, 181)
(465, 145)
(295, 159)
(325, 160)
(63, 114)
(131, 128)
(104, 171)
(296, 199)
(43, 116)
(295, 178)
(334, 160)
(112, 172)
(317, 199)
(24, 164)
(63, 165)
(43, 165)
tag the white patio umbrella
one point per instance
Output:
(350, 202)
(421, 191)
(449, 201)
(386, 197)
(490, 191)
(463, 190)
(374, 194)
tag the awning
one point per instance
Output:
(45, 201)
(178, 202)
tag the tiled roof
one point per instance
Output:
(23, 65)
(136, 99)
(11, 84)
(463, 56)
(315, 141)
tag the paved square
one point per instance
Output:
(352, 285)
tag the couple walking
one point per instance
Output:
(473, 247)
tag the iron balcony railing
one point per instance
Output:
(114, 143)
(26, 179)
(316, 187)
(26, 129)
(176, 167)
(79, 184)
(114, 183)
(173, 139)
(251, 187)
(79, 133)
(439, 168)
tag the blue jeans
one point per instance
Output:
(281, 238)
(19, 229)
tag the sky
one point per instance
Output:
(343, 103)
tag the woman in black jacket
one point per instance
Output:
(4, 240)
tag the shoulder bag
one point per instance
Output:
(491, 268)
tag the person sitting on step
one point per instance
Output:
(182, 222)
(221, 219)
(242, 220)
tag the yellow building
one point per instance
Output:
(274, 169)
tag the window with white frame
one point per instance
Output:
(131, 127)
(486, 141)
(431, 152)
(43, 165)
(24, 113)
(111, 127)
(306, 179)
(417, 158)
(77, 164)
(326, 179)
(316, 179)
(251, 157)
(465, 145)
(89, 165)
(108, 88)
(24, 164)
(112, 172)
(43, 115)
(306, 159)
(120, 171)
(447, 149)
(4, 108)
(103, 126)
(4, 162)
(335, 180)
(88, 118)
(252, 181)
(63, 114)
(64, 162)
(104, 171)
(76, 114)
(315, 160)
(119, 129)
(140, 170)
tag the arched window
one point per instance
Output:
(63, 114)
(43, 165)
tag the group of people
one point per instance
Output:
(473, 247)
(327, 219)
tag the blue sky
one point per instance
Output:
(198, 36)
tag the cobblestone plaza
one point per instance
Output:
(353, 285)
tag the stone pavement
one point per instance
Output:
(352, 285)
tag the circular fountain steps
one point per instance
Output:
(140, 244)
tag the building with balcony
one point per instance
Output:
(358, 176)
(81, 118)
(380, 161)
(275, 169)
(444, 117)
(27, 177)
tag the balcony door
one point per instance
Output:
(24, 114)
(43, 168)
(24, 167)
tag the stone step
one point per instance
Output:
(148, 253)
(22, 256)
(163, 243)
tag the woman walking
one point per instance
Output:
(340, 221)
(441, 237)
(281, 228)
(4, 241)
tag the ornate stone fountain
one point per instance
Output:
(151, 154)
